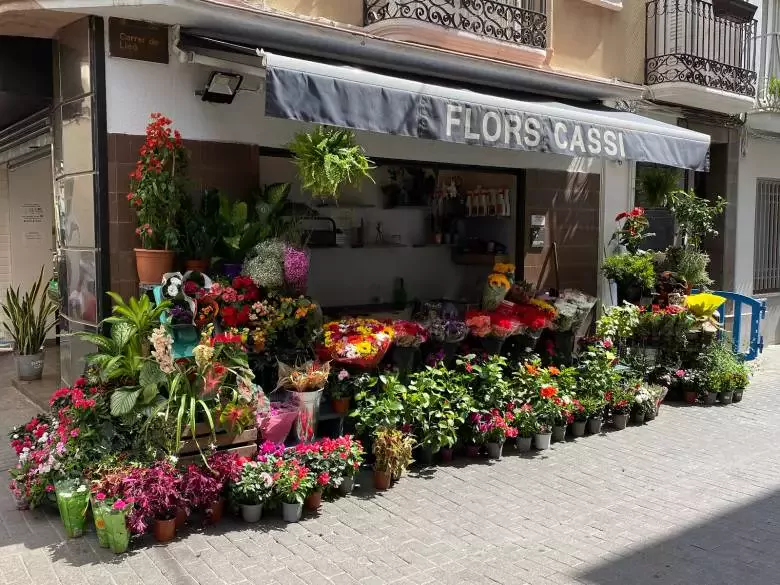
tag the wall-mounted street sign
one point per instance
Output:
(135, 39)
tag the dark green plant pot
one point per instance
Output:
(711, 398)
(737, 397)
(726, 397)
(629, 292)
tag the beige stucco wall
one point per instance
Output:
(593, 40)
(344, 11)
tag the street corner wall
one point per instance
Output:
(570, 203)
(230, 167)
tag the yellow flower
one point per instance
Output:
(498, 281)
(545, 306)
(504, 268)
(364, 348)
(703, 304)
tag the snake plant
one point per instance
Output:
(29, 316)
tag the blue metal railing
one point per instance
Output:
(757, 314)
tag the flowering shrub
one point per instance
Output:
(620, 400)
(292, 481)
(494, 426)
(255, 486)
(633, 230)
(157, 185)
(524, 420)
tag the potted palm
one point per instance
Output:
(156, 195)
(29, 319)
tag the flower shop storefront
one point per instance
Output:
(239, 379)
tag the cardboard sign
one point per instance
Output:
(135, 39)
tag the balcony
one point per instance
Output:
(699, 59)
(510, 30)
(766, 116)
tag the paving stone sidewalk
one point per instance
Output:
(691, 498)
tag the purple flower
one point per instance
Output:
(296, 268)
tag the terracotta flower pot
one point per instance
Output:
(340, 405)
(164, 530)
(152, 264)
(214, 511)
(313, 500)
(181, 518)
(382, 480)
(690, 396)
(199, 265)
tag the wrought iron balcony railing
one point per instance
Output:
(687, 42)
(523, 22)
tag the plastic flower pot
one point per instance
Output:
(691, 396)
(523, 444)
(638, 417)
(594, 425)
(711, 398)
(116, 530)
(492, 344)
(494, 450)
(181, 518)
(100, 524)
(314, 500)
(578, 428)
(215, 511)
(726, 397)
(558, 434)
(291, 513)
(542, 441)
(164, 530)
(619, 421)
(340, 405)
(425, 455)
(472, 451)
(382, 479)
(252, 513)
(232, 269)
(650, 414)
(446, 454)
(737, 396)
(347, 485)
(72, 501)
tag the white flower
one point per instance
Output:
(639, 398)
(173, 459)
(82, 488)
(16, 436)
(173, 291)
(176, 280)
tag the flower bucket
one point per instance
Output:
(308, 403)
(152, 264)
(578, 428)
(251, 513)
(492, 344)
(116, 530)
(650, 414)
(72, 501)
(638, 417)
(542, 441)
(98, 510)
(711, 398)
(523, 444)
(494, 450)
(29, 367)
(737, 397)
(291, 513)
(276, 424)
(726, 397)
(347, 485)
(594, 425)
(619, 421)
(558, 434)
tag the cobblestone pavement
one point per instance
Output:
(692, 498)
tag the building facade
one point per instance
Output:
(676, 62)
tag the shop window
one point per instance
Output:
(766, 246)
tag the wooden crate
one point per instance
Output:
(244, 443)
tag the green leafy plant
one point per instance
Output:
(689, 264)
(379, 404)
(255, 486)
(618, 322)
(29, 316)
(328, 159)
(630, 269)
(695, 217)
(656, 183)
(238, 233)
(201, 226)
(392, 450)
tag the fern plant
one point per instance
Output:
(328, 159)
(656, 183)
(29, 317)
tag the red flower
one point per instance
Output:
(621, 215)
(553, 371)
(323, 479)
(548, 391)
(607, 344)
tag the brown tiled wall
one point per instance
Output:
(229, 167)
(570, 201)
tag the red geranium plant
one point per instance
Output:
(633, 230)
(157, 185)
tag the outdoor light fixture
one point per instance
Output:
(222, 87)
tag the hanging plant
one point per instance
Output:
(328, 159)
